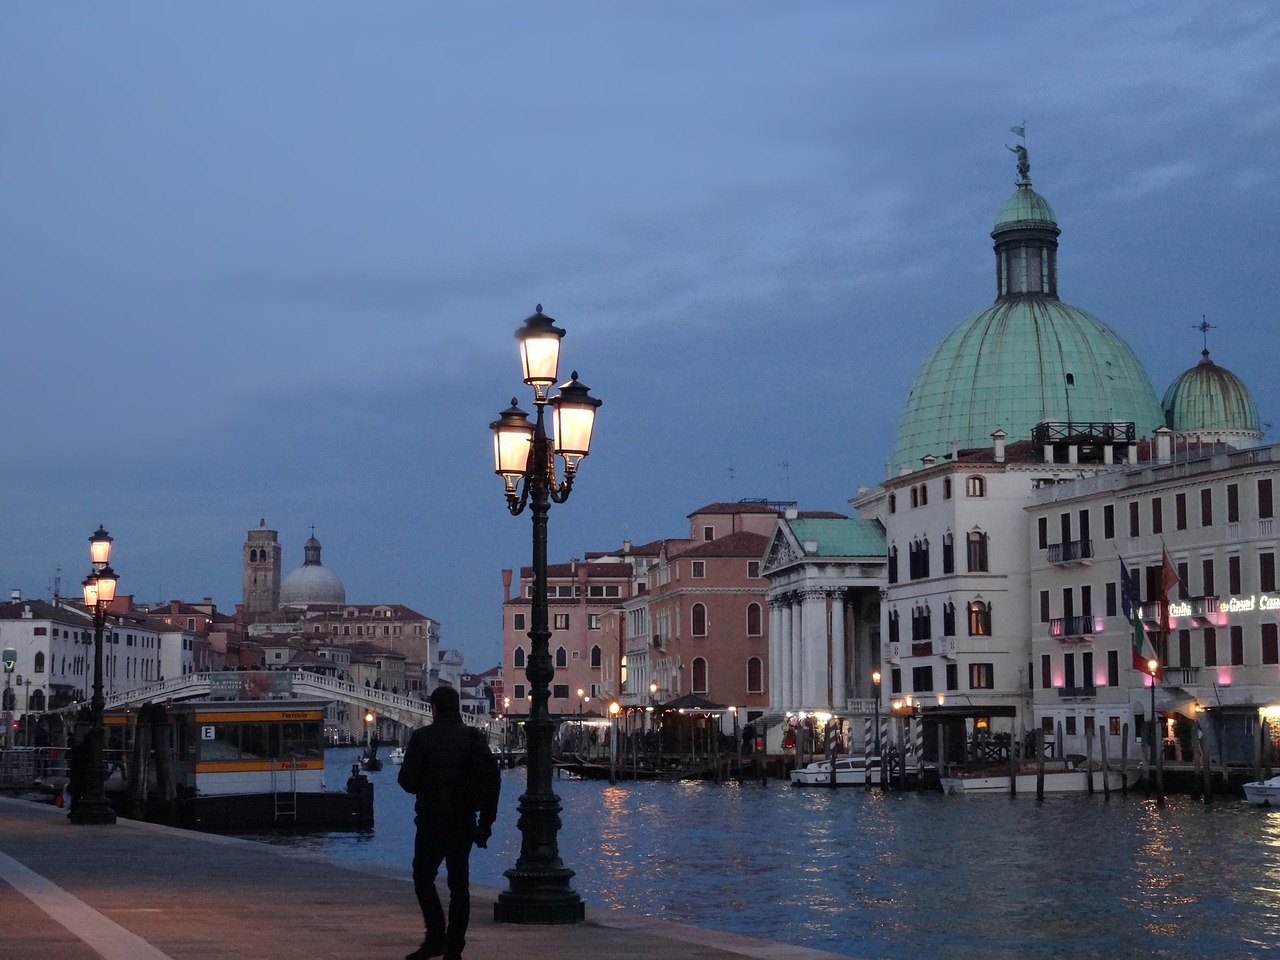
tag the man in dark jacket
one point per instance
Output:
(448, 766)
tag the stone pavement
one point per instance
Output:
(137, 891)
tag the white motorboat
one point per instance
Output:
(1263, 793)
(850, 772)
(396, 755)
(1060, 776)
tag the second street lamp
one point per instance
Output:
(92, 806)
(525, 457)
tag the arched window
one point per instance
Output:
(253, 556)
(979, 619)
(698, 619)
(949, 619)
(517, 657)
(915, 497)
(699, 675)
(595, 655)
(39, 668)
(948, 552)
(754, 620)
(977, 551)
(975, 486)
(755, 675)
(924, 494)
(37, 701)
(562, 657)
(893, 564)
(893, 627)
(893, 503)
(946, 488)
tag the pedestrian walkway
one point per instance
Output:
(138, 891)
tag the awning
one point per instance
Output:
(695, 702)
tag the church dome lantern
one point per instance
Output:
(313, 582)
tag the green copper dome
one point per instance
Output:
(1209, 398)
(1029, 357)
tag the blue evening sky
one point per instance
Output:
(266, 259)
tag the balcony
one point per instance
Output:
(1207, 611)
(1077, 693)
(1151, 613)
(1073, 628)
(1071, 552)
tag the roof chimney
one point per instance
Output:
(15, 594)
(1164, 444)
(998, 439)
(791, 513)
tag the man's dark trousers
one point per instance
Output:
(451, 845)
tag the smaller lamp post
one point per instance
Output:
(614, 709)
(99, 587)
(737, 745)
(655, 720)
(1157, 772)
(875, 706)
(10, 661)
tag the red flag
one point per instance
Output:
(1168, 578)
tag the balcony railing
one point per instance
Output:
(1075, 693)
(1071, 551)
(1151, 613)
(1063, 628)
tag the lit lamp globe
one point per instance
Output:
(573, 417)
(540, 352)
(512, 443)
(100, 548)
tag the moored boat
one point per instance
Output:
(396, 755)
(1060, 776)
(1263, 793)
(850, 772)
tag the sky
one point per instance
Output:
(266, 260)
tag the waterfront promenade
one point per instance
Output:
(137, 891)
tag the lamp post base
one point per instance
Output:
(86, 811)
(539, 896)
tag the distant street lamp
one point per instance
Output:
(93, 807)
(538, 885)
(875, 684)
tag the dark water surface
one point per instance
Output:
(897, 875)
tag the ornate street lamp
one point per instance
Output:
(93, 807)
(524, 456)
(1156, 773)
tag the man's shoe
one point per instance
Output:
(430, 948)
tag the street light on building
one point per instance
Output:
(93, 807)
(524, 456)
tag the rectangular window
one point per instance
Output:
(1233, 575)
(1044, 606)
(895, 680)
(1042, 532)
(1109, 521)
(1270, 648)
(1206, 578)
(561, 621)
(1070, 730)
(1069, 670)
(1113, 668)
(982, 676)
(1237, 646)
(1086, 668)
(593, 621)
(1184, 648)
(1264, 498)
(1180, 511)
(1210, 647)
(708, 533)
(1233, 502)
(1206, 507)
(1134, 526)
(921, 679)
(753, 569)
(1266, 572)
(1182, 581)
(1086, 601)
(1157, 515)
(699, 569)
(560, 691)
(1111, 599)
(953, 676)
(1046, 671)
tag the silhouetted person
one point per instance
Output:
(449, 768)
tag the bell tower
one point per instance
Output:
(261, 565)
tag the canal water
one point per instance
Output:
(867, 874)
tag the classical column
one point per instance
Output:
(839, 664)
(777, 656)
(799, 661)
(813, 612)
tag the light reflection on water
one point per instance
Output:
(897, 875)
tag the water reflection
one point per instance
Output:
(899, 876)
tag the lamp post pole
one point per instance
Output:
(538, 885)
(93, 807)
(614, 709)
(875, 705)
(1153, 667)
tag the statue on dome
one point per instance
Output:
(1024, 165)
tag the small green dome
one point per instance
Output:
(1209, 398)
(1021, 361)
(1024, 208)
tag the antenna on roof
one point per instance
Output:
(786, 478)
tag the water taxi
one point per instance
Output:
(1263, 793)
